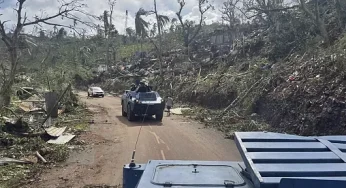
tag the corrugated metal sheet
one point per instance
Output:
(55, 132)
(63, 139)
(270, 157)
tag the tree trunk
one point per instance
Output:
(160, 42)
(107, 53)
(5, 94)
(141, 44)
(6, 90)
(114, 55)
(186, 44)
(324, 32)
(339, 9)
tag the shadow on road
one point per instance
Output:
(148, 121)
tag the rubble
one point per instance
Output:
(27, 144)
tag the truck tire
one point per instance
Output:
(130, 114)
(123, 113)
(159, 116)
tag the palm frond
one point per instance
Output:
(163, 20)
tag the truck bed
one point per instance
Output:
(270, 157)
(270, 160)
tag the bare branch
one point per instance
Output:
(306, 10)
(65, 26)
(4, 70)
(274, 9)
(19, 18)
(201, 11)
(68, 7)
(185, 26)
(3, 34)
(182, 4)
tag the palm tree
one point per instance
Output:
(173, 24)
(141, 25)
(130, 33)
(162, 20)
(153, 30)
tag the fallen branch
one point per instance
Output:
(40, 157)
(72, 120)
(6, 160)
(240, 97)
(30, 135)
(30, 92)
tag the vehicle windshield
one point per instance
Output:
(149, 96)
(96, 89)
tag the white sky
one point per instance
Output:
(96, 7)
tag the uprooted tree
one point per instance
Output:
(12, 39)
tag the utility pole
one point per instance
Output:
(126, 20)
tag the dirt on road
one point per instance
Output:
(111, 140)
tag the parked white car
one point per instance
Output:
(95, 92)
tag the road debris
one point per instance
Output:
(19, 126)
(6, 160)
(55, 132)
(39, 156)
(179, 111)
(63, 139)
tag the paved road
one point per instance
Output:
(110, 145)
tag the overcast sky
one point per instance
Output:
(96, 7)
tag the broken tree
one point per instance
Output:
(13, 38)
(189, 30)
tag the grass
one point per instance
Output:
(11, 175)
(79, 127)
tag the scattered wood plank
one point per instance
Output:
(63, 139)
(55, 131)
(6, 160)
(39, 156)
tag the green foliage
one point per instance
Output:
(12, 175)
(127, 51)
(292, 34)
(342, 43)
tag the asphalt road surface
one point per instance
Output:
(111, 140)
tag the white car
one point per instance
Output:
(95, 92)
